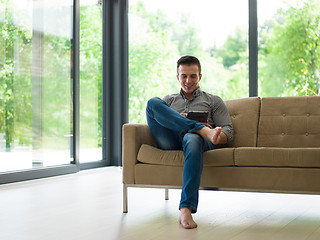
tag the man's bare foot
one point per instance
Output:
(186, 219)
(211, 134)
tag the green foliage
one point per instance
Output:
(17, 86)
(233, 47)
(91, 76)
(6, 100)
(19, 89)
(289, 62)
(9, 101)
(290, 54)
(154, 50)
(152, 57)
(151, 62)
(186, 37)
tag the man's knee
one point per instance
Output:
(153, 102)
(192, 139)
(156, 104)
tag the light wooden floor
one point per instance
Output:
(88, 205)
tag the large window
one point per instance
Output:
(217, 33)
(63, 68)
(289, 48)
(63, 72)
(35, 83)
(159, 35)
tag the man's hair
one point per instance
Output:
(188, 60)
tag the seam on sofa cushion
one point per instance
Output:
(152, 155)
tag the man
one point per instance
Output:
(173, 131)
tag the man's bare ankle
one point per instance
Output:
(203, 132)
(185, 210)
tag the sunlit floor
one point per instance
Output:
(88, 205)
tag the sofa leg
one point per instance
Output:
(125, 198)
(167, 194)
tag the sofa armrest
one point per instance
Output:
(133, 136)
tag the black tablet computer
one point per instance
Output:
(200, 116)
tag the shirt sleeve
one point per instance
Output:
(168, 99)
(221, 117)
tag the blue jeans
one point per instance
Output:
(167, 127)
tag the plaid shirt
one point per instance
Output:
(202, 101)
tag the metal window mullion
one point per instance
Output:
(125, 60)
(76, 80)
(115, 78)
(106, 75)
(253, 49)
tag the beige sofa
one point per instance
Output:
(276, 148)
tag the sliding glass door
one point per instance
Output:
(36, 107)
(63, 85)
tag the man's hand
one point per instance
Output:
(207, 124)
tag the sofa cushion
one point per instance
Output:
(277, 157)
(290, 122)
(152, 155)
(244, 114)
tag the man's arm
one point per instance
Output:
(221, 118)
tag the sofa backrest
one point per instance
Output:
(244, 114)
(289, 122)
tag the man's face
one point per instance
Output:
(189, 78)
